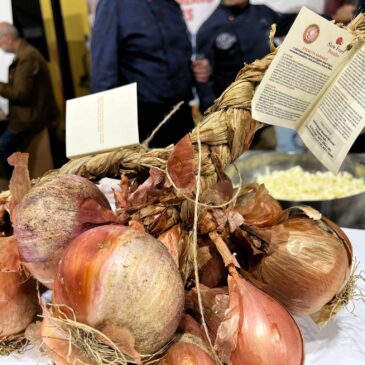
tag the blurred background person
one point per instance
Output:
(32, 106)
(236, 33)
(146, 42)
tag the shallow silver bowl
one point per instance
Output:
(346, 212)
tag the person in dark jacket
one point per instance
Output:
(32, 105)
(361, 5)
(236, 33)
(145, 41)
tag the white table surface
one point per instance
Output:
(340, 342)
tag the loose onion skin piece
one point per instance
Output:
(18, 295)
(57, 347)
(119, 277)
(307, 265)
(50, 215)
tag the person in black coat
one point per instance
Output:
(236, 33)
(147, 42)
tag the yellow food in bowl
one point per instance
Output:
(295, 184)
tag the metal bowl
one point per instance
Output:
(346, 212)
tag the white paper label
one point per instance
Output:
(102, 121)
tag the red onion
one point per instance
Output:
(18, 295)
(116, 277)
(54, 211)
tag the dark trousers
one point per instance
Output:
(150, 115)
(9, 143)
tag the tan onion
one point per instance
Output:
(50, 215)
(116, 277)
(306, 265)
(18, 295)
(257, 329)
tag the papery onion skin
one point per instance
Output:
(57, 346)
(257, 330)
(49, 217)
(306, 268)
(215, 302)
(257, 206)
(117, 276)
(18, 295)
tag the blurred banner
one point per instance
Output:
(6, 15)
(292, 6)
(196, 12)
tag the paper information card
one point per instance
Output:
(315, 85)
(102, 122)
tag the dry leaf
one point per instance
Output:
(20, 180)
(180, 166)
(171, 240)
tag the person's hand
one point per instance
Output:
(344, 13)
(201, 70)
(2, 115)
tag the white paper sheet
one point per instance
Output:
(102, 121)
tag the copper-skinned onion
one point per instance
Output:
(116, 277)
(257, 329)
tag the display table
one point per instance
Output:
(340, 342)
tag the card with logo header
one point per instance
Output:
(315, 86)
(102, 121)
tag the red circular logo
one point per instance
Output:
(339, 41)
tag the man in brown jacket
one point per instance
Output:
(32, 104)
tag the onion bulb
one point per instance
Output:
(190, 347)
(54, 211)
(257, 329)
(18, 295)
(306, 265)
(116, 277)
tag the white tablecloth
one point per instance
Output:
(341, 342)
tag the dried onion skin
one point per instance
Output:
(18, 295)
